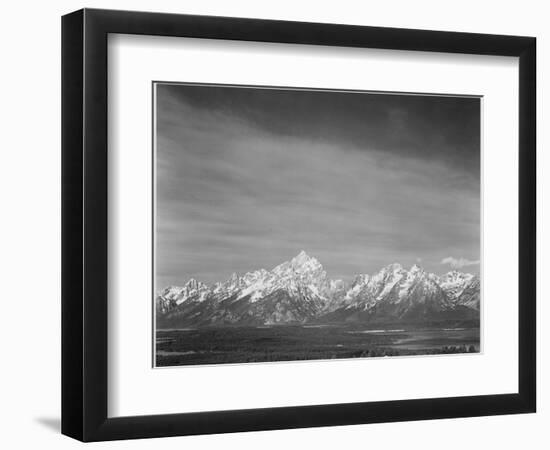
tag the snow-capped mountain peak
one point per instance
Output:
(172, 296)
(455, 276)
(301, 258)
(301, 263)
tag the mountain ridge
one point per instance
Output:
(299, 291)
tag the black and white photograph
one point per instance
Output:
(300, 224)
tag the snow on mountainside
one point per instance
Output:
(302, 277)
(299, 291)
(454, 283)
(470, 295)
(173, 296)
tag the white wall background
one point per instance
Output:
(30, 225)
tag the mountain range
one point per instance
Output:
(299, 291)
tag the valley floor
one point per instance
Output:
(219, 345)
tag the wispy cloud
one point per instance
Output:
(458, 263)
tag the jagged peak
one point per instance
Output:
(418, 272)
(361, 278)
(193, 282)
(232, 282)
(393, 267)
(301, 258)
(453, 274)
(302, 262)
(168, 289)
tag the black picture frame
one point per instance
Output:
(84, 224)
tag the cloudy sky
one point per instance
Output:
(248, 177)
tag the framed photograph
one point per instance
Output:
(273, 224)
